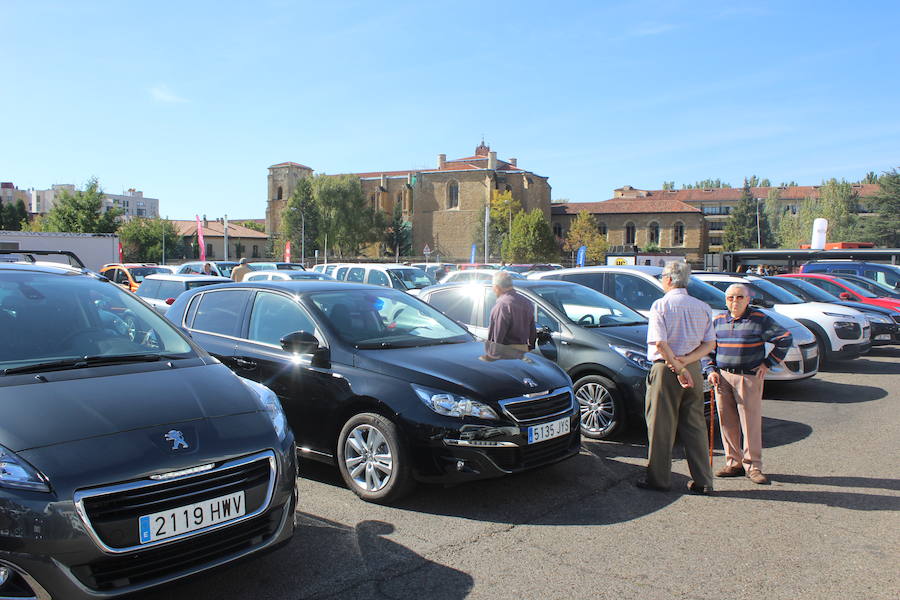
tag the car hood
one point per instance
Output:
(810, 310)
(81, 406)
(862, 307)
(629, 335)
(480, 369)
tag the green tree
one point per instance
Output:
(504, 208)
(870, 177)
(301, 217)
(584, 232)
(774, 211)
(252, 225)
(398, 235)
(82, 212)
(530, 239)
(740, 229)
(346, 220)
(668, 185)
(651, 247)
(837, 202)
(883, 228)
(765, 183)
(142, 240)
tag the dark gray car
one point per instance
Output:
(129, 457)
(599, 342)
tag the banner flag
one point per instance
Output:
(287, 251)
(200, 239)
(472, 256)
(581, 255)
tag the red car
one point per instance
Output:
(847, 290)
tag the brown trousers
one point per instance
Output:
(739, 402)
(672, 409)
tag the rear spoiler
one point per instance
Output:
(29, 255)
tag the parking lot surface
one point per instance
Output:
(827, 527)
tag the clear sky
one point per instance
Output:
(191, 101)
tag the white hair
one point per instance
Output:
(503, 280)
(678, 273)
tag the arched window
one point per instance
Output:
(653, 233)
(255, 251)
(453, 195)
(279, 193)
(209, 251)
(601, 227)
(557, 230)
(629, 233)
(678, 234)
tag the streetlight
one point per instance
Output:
(758, 236)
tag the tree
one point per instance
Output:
(741, 227)
(706, 184)
(252, 225)
(774, 211)
(82, 212)
(398, 236)
(530, 239)
(651, 247)
(584, 232)
(668, 185)
(504, 208)
(837, 202)
(883, 228)
(346, 221)
(142, 240)
(870, 177)
(765, 183)
(300, 218)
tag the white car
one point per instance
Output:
(161, 290)
(286, 276)
(840, 331)
(475, 275)
(639, 286)
(397, 276)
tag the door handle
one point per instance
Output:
(244, 363)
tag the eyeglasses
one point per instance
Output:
(735, 297)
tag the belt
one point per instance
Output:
(740, 371)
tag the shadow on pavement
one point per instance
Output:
(832, 392)
(331, 560)
(865, 366)
(849, 500)
(839, 481)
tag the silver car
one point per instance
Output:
(160, 291)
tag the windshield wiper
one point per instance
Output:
(623, 324)
(83, 361)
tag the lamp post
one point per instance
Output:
(302, 237)
(758, 236)
(164, 240)
(226, 237)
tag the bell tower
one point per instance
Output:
(283, 178)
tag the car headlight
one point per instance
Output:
(269, 403)
(875, 318)
(636, 357)
(453, 405)
(16, 473)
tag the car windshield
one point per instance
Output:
(701, 290)
(138, 273)
(48, 318)
(778, 294)
(586, 307)
(226, 268)
(386, 319)
(804, 289)
(412, 278)
(518, 268)
(263, 266)
(856, 289)
(195, 284)
(878, 289)
(307, 275)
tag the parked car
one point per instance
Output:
(847, 290)
(475, 275)
(599, 342)
(885, 323)
(464, 266)
(397, 276)
(435, 270)
(129, 457)
(841, 333)
(327, 268)
(160, 291)
(286, 276)
(275, 266)
(130, 275)
(528, 268)
(384, 385)
(639, 286)
(888, 275)
(879, 289)
(220, 268)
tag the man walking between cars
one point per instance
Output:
(238, 273)
(736, 373)
(679, 334)
(512, 318)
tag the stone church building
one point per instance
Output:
(445, 205)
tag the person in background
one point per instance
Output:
(512, 318)
(240, 271)
(680, 333)
(207, 269)
(736, 372)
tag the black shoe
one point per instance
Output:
(696, 488)
(646, 485)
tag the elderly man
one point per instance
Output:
(512, 318)
(680, 333)
(239, 272)
(736, 372)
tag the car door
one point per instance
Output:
(377, 277)
(632, 290)
(214, 320)
(308, 393)
(461, 305)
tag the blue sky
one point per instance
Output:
(192, 101)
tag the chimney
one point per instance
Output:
(492, 160)
(205, 222)
(383, 182)
(512, 161)
(442, 158)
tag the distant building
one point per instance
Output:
(10, 194)
(444, 205)
(242, 241)
(133, 203)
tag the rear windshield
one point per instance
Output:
(138, 273)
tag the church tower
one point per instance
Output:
(283, 178)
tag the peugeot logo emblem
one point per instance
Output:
(177, 439)
(530, 382)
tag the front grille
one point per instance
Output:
(532, 455)
(527, 410)
(810, 355)
(112, 513)
(896, 318)
(116, 572)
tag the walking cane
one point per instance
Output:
(712, 424)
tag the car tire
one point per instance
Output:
(373, 459)
(602, 412)
(826, 356)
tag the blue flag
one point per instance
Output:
(580, 256)
(472, 256)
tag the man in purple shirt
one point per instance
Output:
(679, 334)
(512, 318)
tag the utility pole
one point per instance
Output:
(226, 237)
(164, 240)
(758, 236)
(302, 237)
(487, 223)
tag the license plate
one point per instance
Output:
(548, 431)
(883, 336)
(192, 517)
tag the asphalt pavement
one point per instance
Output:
(827, 527)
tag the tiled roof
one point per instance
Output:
(470, 163)
(216, 229)
(291, 164)
(624, 206)
(797, 192)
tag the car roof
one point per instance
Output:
(185, 277)
(720, 277)
(645, 269)
(49, 268)
(299, 286)
(519, 283)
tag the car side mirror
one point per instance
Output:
(845, 296)
(544, 335)
(299, 342)
(170, 301)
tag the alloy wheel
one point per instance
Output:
(597, 407)
(368, 458)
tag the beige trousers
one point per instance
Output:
(739, 402)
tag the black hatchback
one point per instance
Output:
(129, 457)
(385, 385)
(598, 341)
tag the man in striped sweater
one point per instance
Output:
(736, 372)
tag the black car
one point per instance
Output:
(599, 342)
(129, 457)
(885, 329)
(385, 385)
